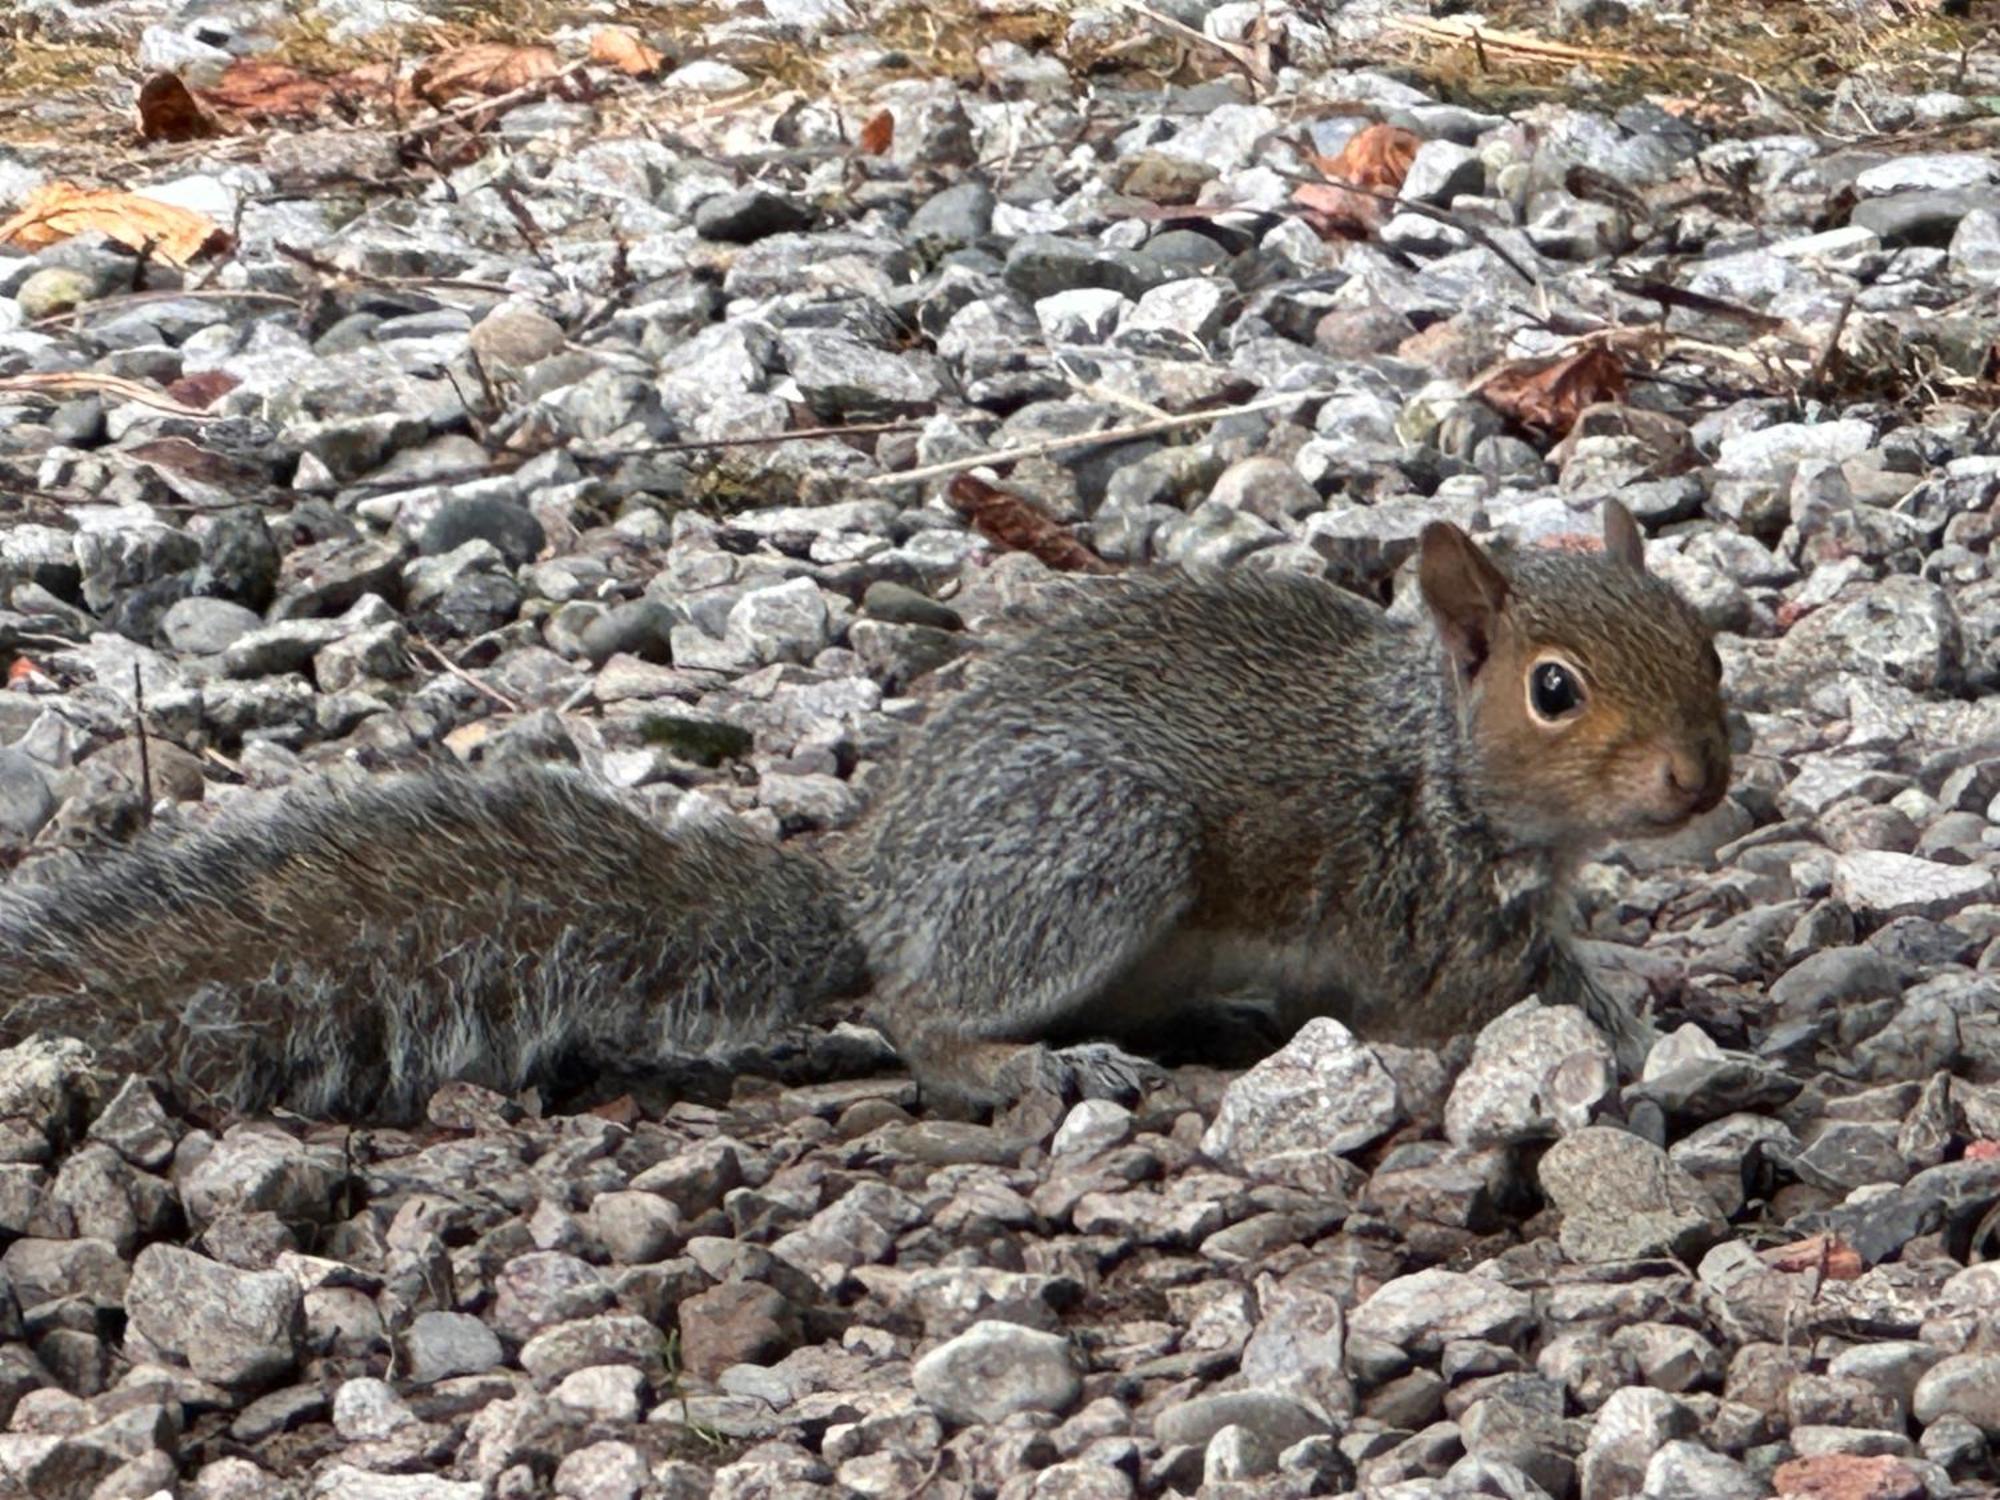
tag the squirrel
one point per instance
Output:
(1231, 799)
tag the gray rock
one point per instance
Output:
(1917, 218)
(1885, 885)
(439, 1345)
(1932, 172)
(1683, 1470)
(1276, 1420)
(740, 217)
(1622, 1198)
(1289, 1118)
(1632, 1426)
(993, 1370)
(1960, 1385)
(230, 1326)
(26, 800)
(1536, 1071)
(1425, 1311)
(1442, 171)
(205, 627)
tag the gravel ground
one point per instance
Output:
(486, 445)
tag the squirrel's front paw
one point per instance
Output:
(1093, 1070)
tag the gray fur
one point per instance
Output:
(348, 950)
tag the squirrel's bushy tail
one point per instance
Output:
(346, 950)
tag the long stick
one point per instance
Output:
(1091, 439)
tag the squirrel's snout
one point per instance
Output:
(1697, 775)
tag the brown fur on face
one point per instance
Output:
(1646, 749)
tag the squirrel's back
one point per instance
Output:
(350, 948)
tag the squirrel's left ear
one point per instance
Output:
(1623, 541)
(1464, 590)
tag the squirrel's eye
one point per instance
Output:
(1553, 690)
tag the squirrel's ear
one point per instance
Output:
(1623, 541)
(1464, 590)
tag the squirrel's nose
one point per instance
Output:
(1699, 774)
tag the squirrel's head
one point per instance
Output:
(1590, 690)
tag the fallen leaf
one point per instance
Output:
(1549, 395)
(1827, 1253)
(1377, 158)
(878, 134)
(1012, 521)
(204, 388)
(168, 112)
(55, 211)
(484, 68)
(618, 48)
(1982, 1151)
(23, 669)
(259, 91)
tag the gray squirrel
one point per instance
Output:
(1237, 800)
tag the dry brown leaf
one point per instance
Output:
(1548, 396)
(878, 134)
(484, 68)
(203, 388)
(168, 112)
(1377, 158)
(57, 210)
(618, 48)
(268, 91)
(1012, 521)
(1828, 1254)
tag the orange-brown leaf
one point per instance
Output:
(484, 68)
(57, 210)
(878, 134)
(616, 47)
(168, 112)
(1376, 156)
(1012, 521)
(203, 388)
(1828, 1254)
(259, 91)
(1549, 395)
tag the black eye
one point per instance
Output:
(1554, 690)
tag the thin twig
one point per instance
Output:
(1093, 439)
(468, 679)
(496, 101)
(1258, 72)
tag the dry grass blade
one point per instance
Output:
(1520, 42)
(63, 384)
